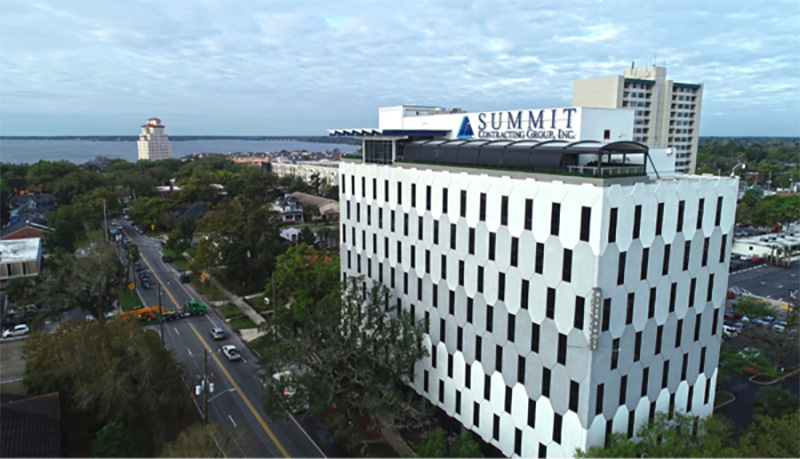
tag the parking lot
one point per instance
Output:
(767, 281)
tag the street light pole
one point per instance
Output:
(205, 386)
(160, 316)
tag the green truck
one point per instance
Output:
(193, 308)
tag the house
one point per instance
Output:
(328, 208)
(31, 203)
(23, 228)
(20, 258)
(31, 426)
(290, 209)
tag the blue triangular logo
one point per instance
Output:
(465, 131)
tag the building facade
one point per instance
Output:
(20, 258)
(327, 171)
(559, 308)
(667, 113)
(153, 141)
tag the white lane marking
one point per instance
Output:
(190, 351)
(176, 330)
(306, 434)
(243, 360)
(232, 421)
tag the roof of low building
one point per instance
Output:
(31, 427)
(310, 199)
(17, 250)
(21, 222)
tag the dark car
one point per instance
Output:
(146, 284)
(185, 278)
(144, 275)
(166, 258)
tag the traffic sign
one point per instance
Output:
(152, 227)
(131, 286)
(202, 277)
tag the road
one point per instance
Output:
(767, 281)
(235, 404)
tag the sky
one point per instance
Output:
(248, 67)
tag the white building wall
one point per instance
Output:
(399, 260)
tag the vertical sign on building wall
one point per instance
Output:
(597, 313)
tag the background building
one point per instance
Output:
(153, 141)
(560, 308)
(325, 171)
(667, 114)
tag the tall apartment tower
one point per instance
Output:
(153, 141)
(667, 114)
(560, 307)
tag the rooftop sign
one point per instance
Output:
(542, 124)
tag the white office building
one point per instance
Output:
(667, 113)
(569, 294)
(153, 141)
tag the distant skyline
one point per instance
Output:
(215, 67)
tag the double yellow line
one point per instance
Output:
(246, 401)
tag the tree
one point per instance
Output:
(181, 238)
(113, 370)
(350, 353)
(148, 211)
(775, 402)
(117, 440)
(772, 437)
(464, 445)
(198, 440)
(307, 237)
(43, 174)
(675, 437)
(776, 209)
(752, 196)
(753, 307)
(435, 445)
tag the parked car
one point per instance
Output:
(289, 391)
(779, 325)
(764, 321)
(166, 258)
(218, 333)
(757, 260)
(729, 331)
(138, 266)
(18, 330)
(184, 278)
(231, 352)
(144, 275)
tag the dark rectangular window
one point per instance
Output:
(521, 369)
(517, 442)
(706, 243)
(425, 378)
(555, 219)
(514, 251)
(451, 303)
(420, 227)
(380, 218)
(551, 303)
(679, 333)
(399, 192)
(539, 268)
(681, 210)
(629, 308)
(427, 262)
(498, 358)
(665, 374)
(511, 327)
(700, 209)
(471, 242)
(489, 318)
(637, 347)
(566, 269)
(476, 414)
(443, 266)
(386, 190)
(460, 272)
(659, 336)
(496, 427)
(344, 181)
(631, 422)
(651, 307)
(612, 225)
(492, 244)
(442, 330)
(698, 324)
(434, 358)
(687, 254)
(348, 210)
(645, 263)
(561, 356)
(707, 393)
(363, 187)
(715, 322)
(532, 413)
(556, 427)
(458, 402)
(692, 290)
(580, 303)
(449, 365)
(453, 236)
(701, 368)
(428, 197)
(637, 221)
(673, 294)
(413, 256)
(689, 398)
(436, 232)
(722, 248)
(504, 210)
(391, 221)
(399, 252)
(374, 188)
(574, 395)
(718, 216)
(441, 391)
(586, 223)
(684, 366)
(545, 382)
(535, 337)
(482, 208)
(480, 279)
(606, 314)
(645, 381)
(405, 224)
(528, 214)
(621, 267)
(614, 353)
(623, 390)
(659, 218)
(524, 294)
(710, 291)
(665, 263)
(459, 339)
(598, 405)
(463, 203)
(487, 387)
(444, 201)
(542, 450)
(508, 399)
(470, 307)
(478, 348)
(353, 184)
(467, 375)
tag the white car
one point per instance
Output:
(231, 352)
(19, 330)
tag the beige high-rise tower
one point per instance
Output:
(153, 141)
(667, 113)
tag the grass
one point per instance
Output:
(192, 251)
(258, 346)
(229, 311)
(178, 260)
(242, 322)
(127, 299)
(722, 398)
(257, 303)
(207, 289)
(380, 449)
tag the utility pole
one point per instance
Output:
(160, 315)
(205, 386)
(105, 220)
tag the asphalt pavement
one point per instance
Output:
(767, 281)
(235, 404)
